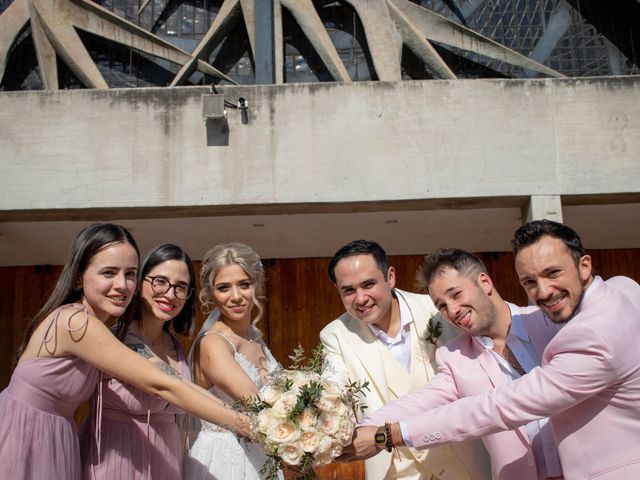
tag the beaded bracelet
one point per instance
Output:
(389, 440)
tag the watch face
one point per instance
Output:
(380, 437)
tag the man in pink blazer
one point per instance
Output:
(589, 379)
(501, 342)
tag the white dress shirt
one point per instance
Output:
(545, 452)
(400, 345)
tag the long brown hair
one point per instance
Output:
(87, 244)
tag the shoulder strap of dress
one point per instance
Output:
(182, 359)
(226, 338)
(50, 331)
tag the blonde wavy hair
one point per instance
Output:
(231, 254)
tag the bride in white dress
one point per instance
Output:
(230, 359)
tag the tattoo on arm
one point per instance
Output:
(141, 349)
(167, 369)
(145, 352)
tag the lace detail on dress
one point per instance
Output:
(252, 371)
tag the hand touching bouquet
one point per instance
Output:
(301, 418)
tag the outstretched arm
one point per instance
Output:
(580, 366)
(440, 390)
(91, 341)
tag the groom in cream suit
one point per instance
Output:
(388, 337)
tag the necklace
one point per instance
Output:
(511, 359)
(157, 346)
(248, 338)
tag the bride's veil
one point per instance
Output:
(192, 423)
(211, 319)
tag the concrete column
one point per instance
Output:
(543, 207)
(265, 68)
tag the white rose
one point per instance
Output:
(282, 432)
(269, 394)
(298, 379)
(290, 453)
(313, 377)
(309, 441)
(308, 420)
(328, 423)
(265, 419)
(345, 431)
(330, 390)
(333, 405)
(336, 448)
(323, 452)
(284, 405)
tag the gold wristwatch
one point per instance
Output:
(382, 439)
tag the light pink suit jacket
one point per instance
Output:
(466, 368)
(588, 384)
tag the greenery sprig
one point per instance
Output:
(434, 330)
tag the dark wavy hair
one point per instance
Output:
(531, 232)
(184, 321)
(87, 244)
(360, 247)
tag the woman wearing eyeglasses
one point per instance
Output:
(139, 436)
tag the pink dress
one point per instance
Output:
(137, 437)
(38, 436)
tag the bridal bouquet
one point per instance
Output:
(301, 418)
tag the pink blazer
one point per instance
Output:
(588, 384)
(466, 368)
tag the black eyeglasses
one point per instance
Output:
(162, 285)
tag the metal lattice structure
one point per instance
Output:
(130, 43)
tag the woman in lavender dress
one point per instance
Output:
(66, 346)
(139, 434)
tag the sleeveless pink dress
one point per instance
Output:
(138, 437)
(38, 436)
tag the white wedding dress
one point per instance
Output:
(217, 454)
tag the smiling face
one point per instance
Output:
(365, 294)
(109, 281)
(165, 306)
(463, 301)
(549, 274)
(233, 294)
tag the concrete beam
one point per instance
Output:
(320, 143)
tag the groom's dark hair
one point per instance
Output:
(360, 247)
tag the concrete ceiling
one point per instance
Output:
(321, 234)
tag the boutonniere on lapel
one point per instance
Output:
(434, 330)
